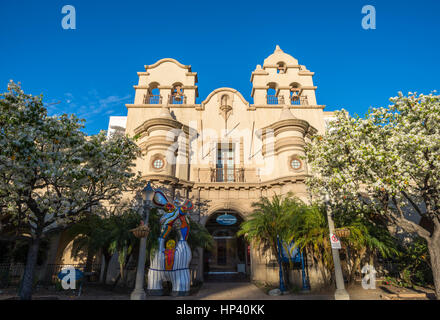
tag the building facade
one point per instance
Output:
(226, 153)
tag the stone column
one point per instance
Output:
(139, 292)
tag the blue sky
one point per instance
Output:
(91, 70)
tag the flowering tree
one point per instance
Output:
(388, 162)
(51, 174)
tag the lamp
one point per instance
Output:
(142, 233)
(148, 193)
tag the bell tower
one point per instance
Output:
(169, 81)
(282, 81)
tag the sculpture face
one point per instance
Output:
(171, 244)
(159, 199)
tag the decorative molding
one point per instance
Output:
(279, 106)
(160, 124)
(158, 106)
(288, 66)
(251, 185)
(154, 65)
(220, 90)
(259, 72)
(285, 125)
(164, 87)
(264, 185)
(306, 73)
(156, 141)
(289, 142)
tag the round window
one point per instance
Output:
(158, 163)
(295, 164)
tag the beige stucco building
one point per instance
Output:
(226, 152)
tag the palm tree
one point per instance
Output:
(107, 231)
(93, 235)
(269, 223)
(309, 229)
(122, 239)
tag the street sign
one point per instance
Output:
(336, 244)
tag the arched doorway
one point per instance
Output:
(229, 258)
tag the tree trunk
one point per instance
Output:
(28, 277)
(286, 274)
(89, 261)
(122, 273)
(434, 253)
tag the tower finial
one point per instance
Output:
(277, 48)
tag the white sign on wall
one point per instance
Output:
(334, 240)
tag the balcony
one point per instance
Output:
(294, 100)
(227, 175)
(177, 99)
(299, 101)
(273, 99)
(152, 99)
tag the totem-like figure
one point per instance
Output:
(172, 263)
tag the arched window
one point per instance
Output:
(272, 97)
(281, 67)
(177, 96)
(153, 95)
(224, 100)
(295, 93)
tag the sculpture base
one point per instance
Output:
(341, 294)
(158, 292)
(138, 295)
(179, 293)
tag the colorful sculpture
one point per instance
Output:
(172, 263)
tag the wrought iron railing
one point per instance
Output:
(271, 99)
(299, 101)
(227, 175)
(180, 99)
(152, 99)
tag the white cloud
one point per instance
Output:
(88, 107)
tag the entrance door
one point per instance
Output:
(221, 252)
(227, 260)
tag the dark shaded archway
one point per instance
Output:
(229, 260)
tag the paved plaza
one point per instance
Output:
(228, 291)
